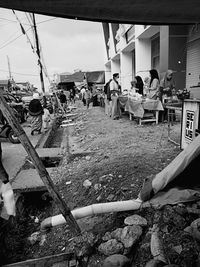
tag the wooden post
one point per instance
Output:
(44, 175)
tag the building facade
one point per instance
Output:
(135, 49)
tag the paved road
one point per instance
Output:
(14, 154)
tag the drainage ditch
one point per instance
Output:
(32, 207)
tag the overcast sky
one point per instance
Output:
(66, 45)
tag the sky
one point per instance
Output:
(67, 45)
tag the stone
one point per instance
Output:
(107, 236)
(135, 220)
(178, 249)
(116, 260)
(111, 247)
(97, 187)
(87, 183)
(82, 245)
(116, 234)
(35, 237)
(110, 197)
(104, 179)
(130, 235)
(87, 157)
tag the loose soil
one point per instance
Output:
(128, 154)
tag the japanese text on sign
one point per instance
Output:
(189, 126)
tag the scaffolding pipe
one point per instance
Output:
(94, 209)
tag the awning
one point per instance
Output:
(118, 11)
(91, 76)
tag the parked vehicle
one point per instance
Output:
(6, 132)
(17, 105)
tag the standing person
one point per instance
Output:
(167, 85)
(82, 95)
(46, 118)
(35, 111)
(107, 97)
(154, 85)
(139, 85)
(71, 96)
(87, 96)
(54, 102)
(63, 100)
(6, 191)
(115, 90)
(95, 95)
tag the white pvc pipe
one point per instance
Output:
(92, 210)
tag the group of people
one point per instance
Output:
(151, 88)
(89, 94)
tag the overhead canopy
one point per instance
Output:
(118, 11)
(90, 76)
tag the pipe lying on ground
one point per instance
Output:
(79, 213)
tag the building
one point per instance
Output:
(4, 85)
(135, 49)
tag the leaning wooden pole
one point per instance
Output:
(44, 175)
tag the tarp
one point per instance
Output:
(95, 77)
(179, 181)
(90, 76)
(118, 11)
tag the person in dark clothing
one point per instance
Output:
(107, 97)
(36, 112)
(95, 96)
(72, 96)
(63, 100)
(139, 85)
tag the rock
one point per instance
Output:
(110, 197)
(107, 236)
(97, 187)
(178, 249)
(116, 260)
(116, 234)
(130, 235)
(35, 237)
(87, 157)
(104, 179)
(99, 198)
(82, 245)
(135, 220)
(111, 247)
(155, 263)
(87, 183)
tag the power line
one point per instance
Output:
(10, 42)
(24, 74)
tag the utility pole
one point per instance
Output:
(10, 87)
(38, 53)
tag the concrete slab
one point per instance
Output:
(29, 180)
(14, 154)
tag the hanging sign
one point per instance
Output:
(189, 125)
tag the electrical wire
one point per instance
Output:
(11, 41)
(17, 73)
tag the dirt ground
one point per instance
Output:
(98, 147)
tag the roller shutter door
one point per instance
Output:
(193, 63)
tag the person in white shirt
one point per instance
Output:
(115, 91)
(46, 117)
